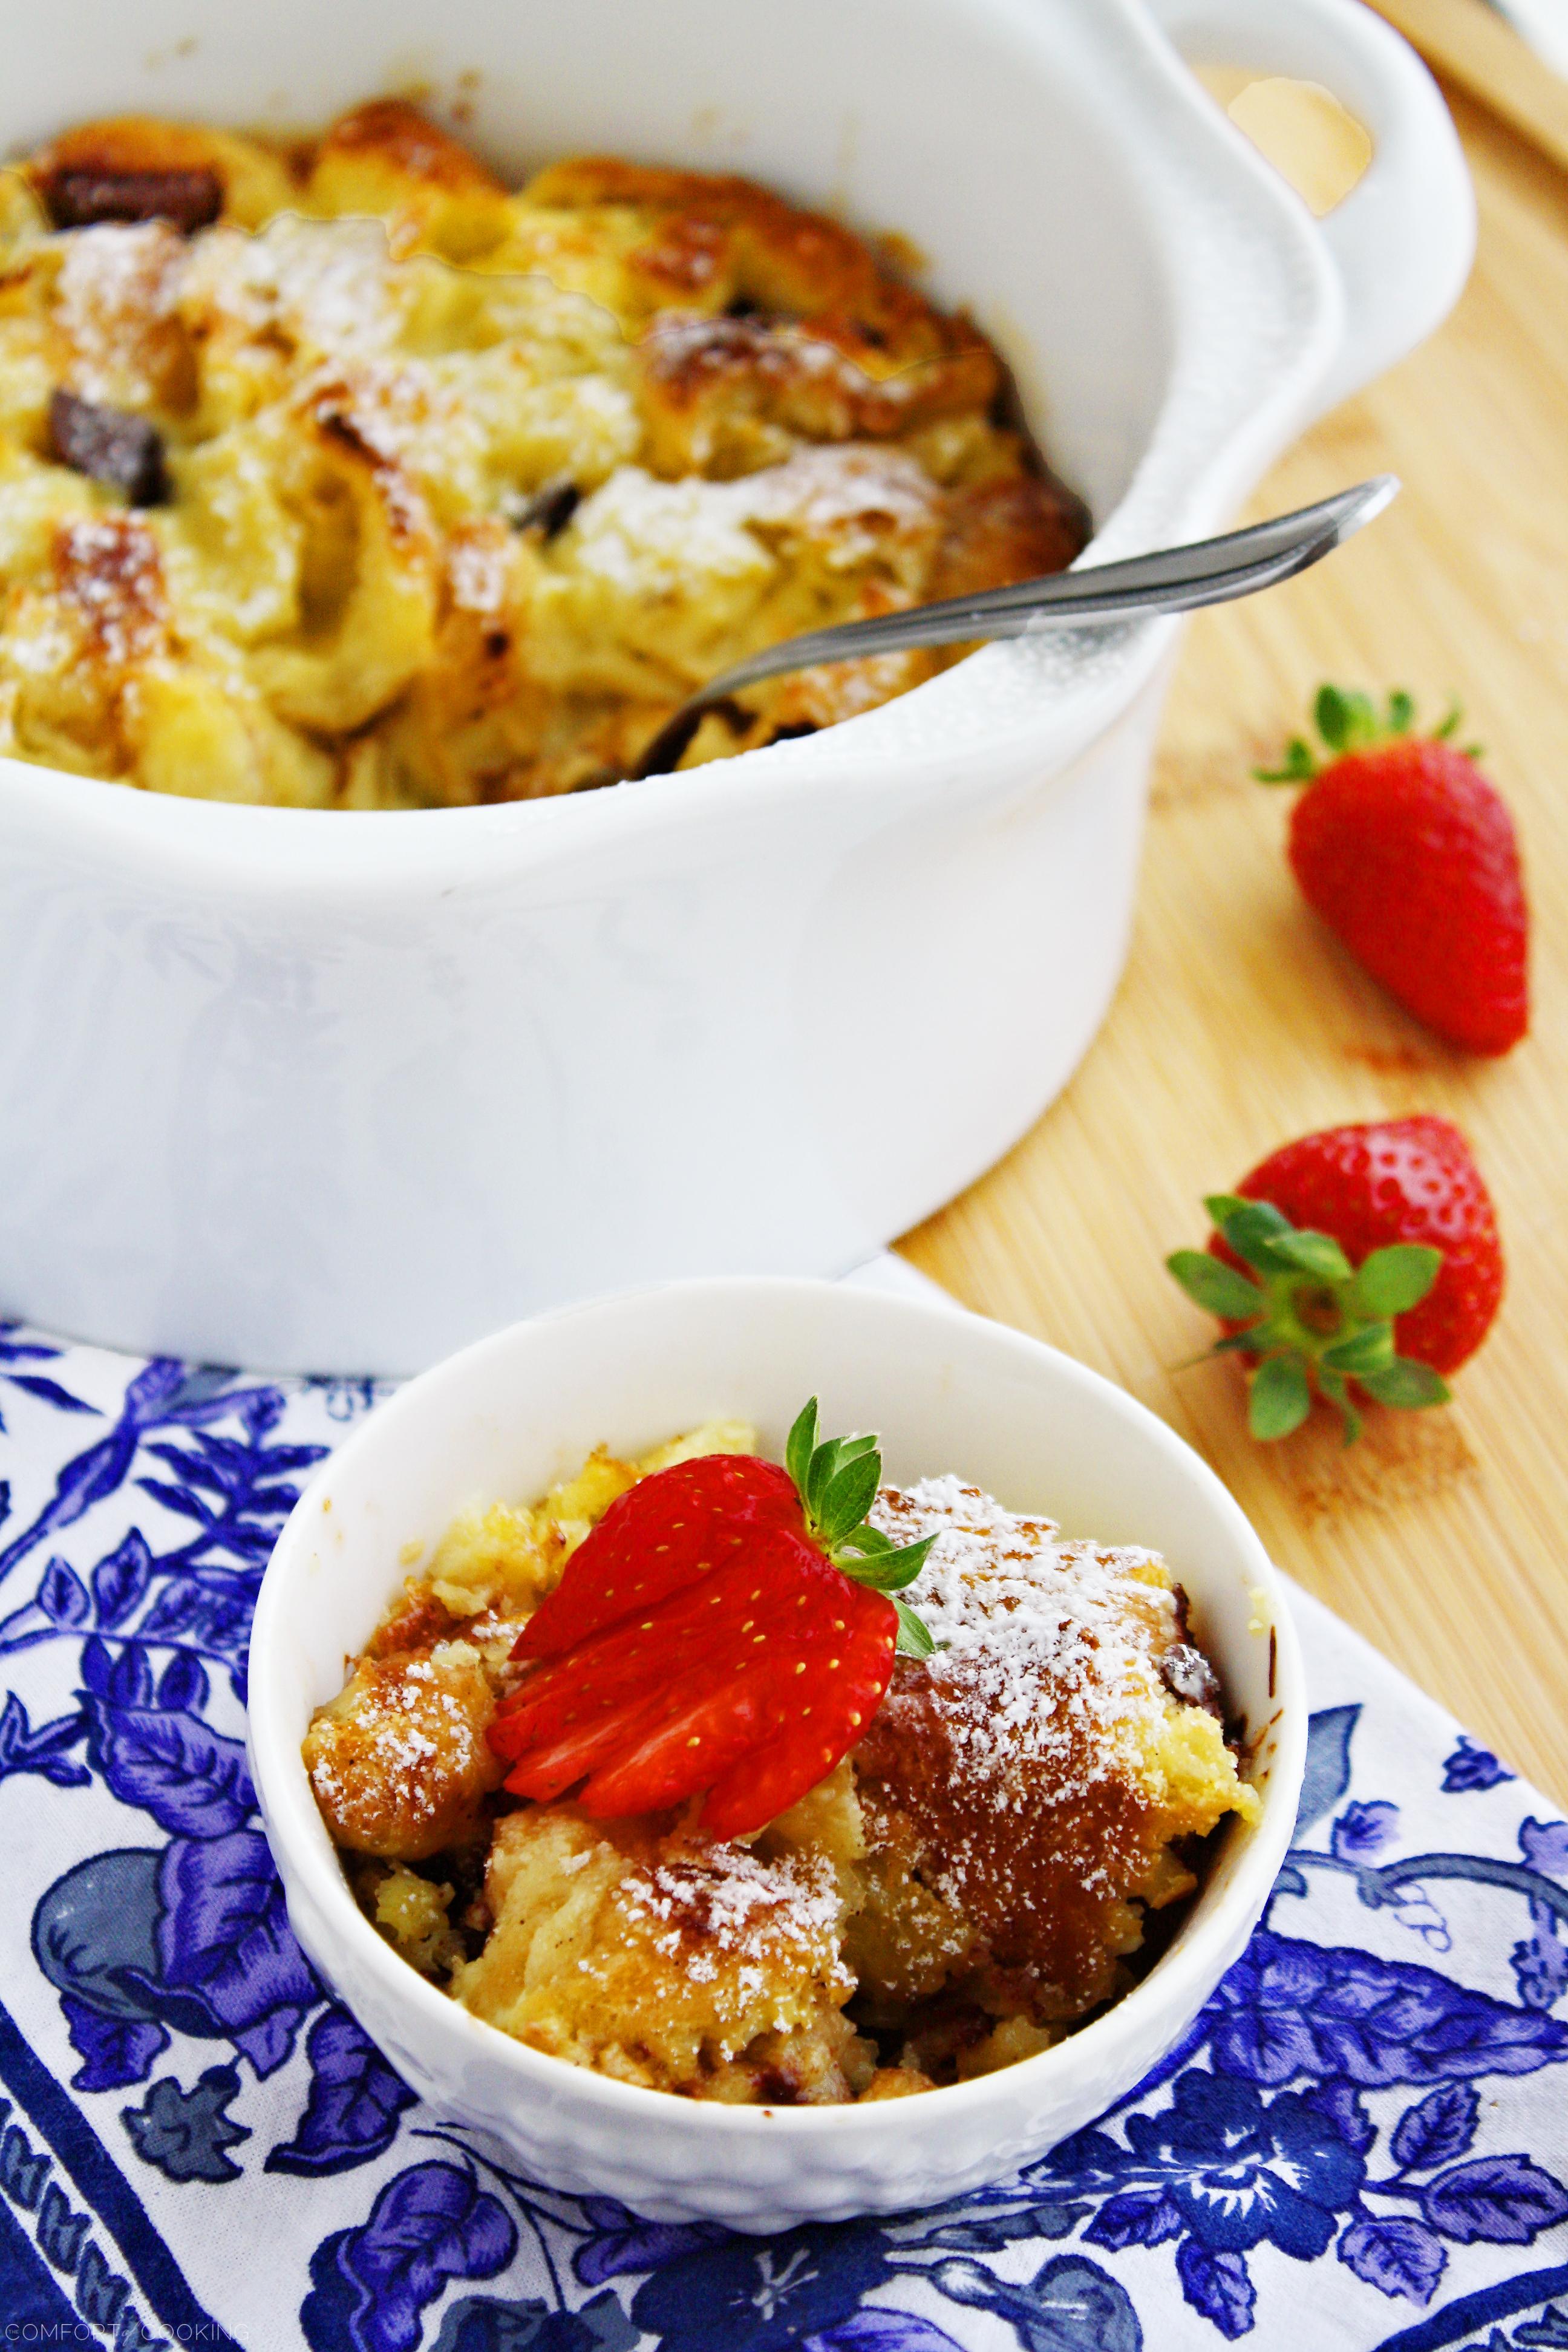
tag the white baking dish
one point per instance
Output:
(947, 1391)
(330, 1091)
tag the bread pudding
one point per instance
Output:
(341, 476)
(984, 1861)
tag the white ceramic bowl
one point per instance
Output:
(256, 1058)
(948, 1392)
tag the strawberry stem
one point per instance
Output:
(1347, 720)
(836, 1479)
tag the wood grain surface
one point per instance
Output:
(1479, 51)
(1443, 1535)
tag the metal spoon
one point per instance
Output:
(1176, 580)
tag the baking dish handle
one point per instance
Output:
(1403, 239)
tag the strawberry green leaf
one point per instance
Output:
(1213, 1285)
(851, 1448)
(886, 1571)
(915, 1639)
(1406, 1382)
(837, 1481)
(1312, 1321)
(1332, 718)
(1332, 1385)
(1280, 1397)
(1297, 767)
(1349, 721)
(1346, 721)
(1318, 1254)
(1450, 728)
(1390, 1281)
(801, 1443)
(820, 1474)
(828, 1461)
(1251, 1229)
(1370, 1350)
(849, 1495)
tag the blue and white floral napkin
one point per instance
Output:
(1362, 2141)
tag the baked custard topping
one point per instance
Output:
(341, 476)
(973, 1876)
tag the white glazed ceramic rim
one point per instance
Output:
(1180, 1980)
(1207, 444)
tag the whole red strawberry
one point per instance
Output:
(1366, 1255)
(1409, 855)
(726, 1628)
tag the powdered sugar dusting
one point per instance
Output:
(110, 576)
(1036, 1773)
(1023, 1750)
(645, 535)
(726, 1909)
(477, 570)
(331, 286)
(407, 1732)
(117, 284)
(873, 491)
(1046, 1661)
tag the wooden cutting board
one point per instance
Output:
(1443, 1535)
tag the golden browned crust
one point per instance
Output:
(250, 178)
(783, 257)
(1025, 1789)
(663, 1961)
(399, 1761)
(998, 531)
(112, 582)
(407, 143)
(710, 382)
(389, 159)
(1043, 1880)
(454, 493)
(413, 1625)
(716, 242)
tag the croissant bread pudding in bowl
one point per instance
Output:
(619, 1735)
(336, 474)
(281, 1014)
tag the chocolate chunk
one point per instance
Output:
(1187, 1674)
(189, 200)
(666, 750)
(108, 445)
(549, 511)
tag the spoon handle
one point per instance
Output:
(1172, 580)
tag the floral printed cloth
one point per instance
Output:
(1361, 2142)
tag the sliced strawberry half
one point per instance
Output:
(841, 1690)
(631, 1668)
(791, 1666)
(757, 1645)
(658, 1536)
(624, 1665)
